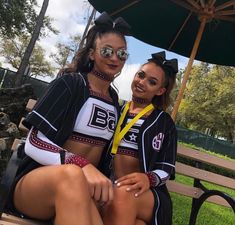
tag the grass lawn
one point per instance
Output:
(209, 214)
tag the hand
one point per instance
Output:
(100, 186)
(137, 182)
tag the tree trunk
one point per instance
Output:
(87, 27)
(29, 49)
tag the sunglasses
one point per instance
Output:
(107, 52)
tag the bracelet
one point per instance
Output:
(154, 180)
(76, 159)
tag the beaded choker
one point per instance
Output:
(140, 100)
(102, 76)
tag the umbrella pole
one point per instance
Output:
(189, 67)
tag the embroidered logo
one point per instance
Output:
(157, 141)
(102, 118)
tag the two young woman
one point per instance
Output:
(62, 176)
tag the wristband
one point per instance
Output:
(154, 180)
(78, 160)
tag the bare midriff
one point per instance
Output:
(124, 164)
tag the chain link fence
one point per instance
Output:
(207, 142)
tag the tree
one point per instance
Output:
(16, 16)
(29, 49)
(13, 50)
(65, 51)
(210, 101)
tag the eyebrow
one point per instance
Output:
(107, 45)
(150, 76)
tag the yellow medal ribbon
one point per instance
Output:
(119, 134)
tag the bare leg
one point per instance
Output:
(126, 209)
(56, 191)
(140, 222)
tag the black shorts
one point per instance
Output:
(162, 213)
(27, 165)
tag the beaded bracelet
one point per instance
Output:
(76, 159)
(154, 179)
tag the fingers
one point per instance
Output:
(103, 191)
(111, 192)
(107, 191)
(97, 193)
(129, 179)
(141, 191)
(126, 182)
(100, 186)
(126, 177)
(136, 182)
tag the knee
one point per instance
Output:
(71, 176)
(122, 206)
(123, 197)
(72, 186)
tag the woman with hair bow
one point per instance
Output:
(70, 127)
(144, 149)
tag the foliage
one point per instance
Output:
(65, 51)
(29, 49)
(13, 50)
(19, 16)
(16, 16)
(176, 89)
(210, 101)
(209, 213)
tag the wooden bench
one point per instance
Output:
(7, 219)
(197, 191)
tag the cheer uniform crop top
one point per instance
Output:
(129, 143)
(95, 124)
(129, 146)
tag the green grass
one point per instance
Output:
(209, 214)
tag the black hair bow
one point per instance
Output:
(160, 59)
(119, 24)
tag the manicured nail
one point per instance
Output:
(136, 195)
(115, 182)
(118, 184)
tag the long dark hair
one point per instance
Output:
(164, 100)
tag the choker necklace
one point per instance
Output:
(102, 76)
(140, 100)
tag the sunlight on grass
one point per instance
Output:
(209, 214)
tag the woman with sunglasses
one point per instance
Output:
(70, 127)
(144, 149)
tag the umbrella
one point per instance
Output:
(199, 29)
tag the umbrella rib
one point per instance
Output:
(227, 18)
(211, 3)
(193, 3)
(202, 3)
(124, 7)
(225, 5)
(178, 33)
(185, 5)
(186, 20)
(225, 13)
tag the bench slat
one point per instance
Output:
(31, 103)
(13, 220)
(206, 158)
(15, 144)
(205, 175)
(22, 127)
(193, 192)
